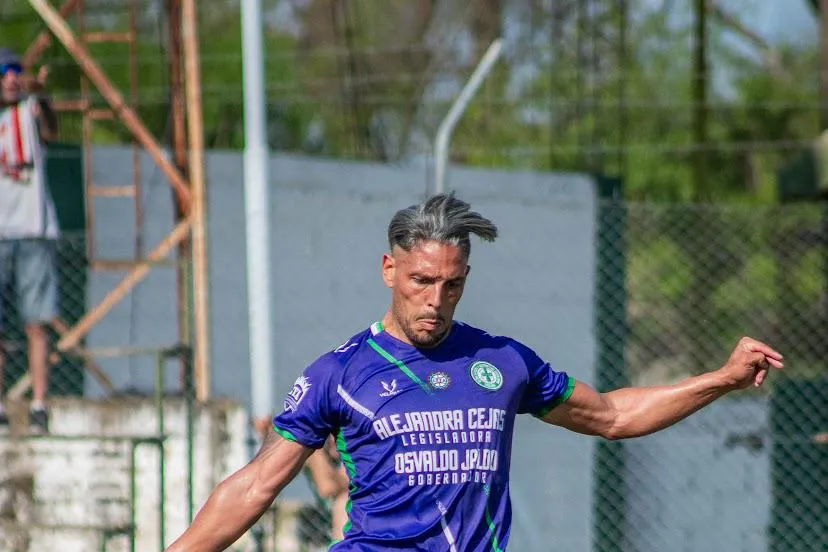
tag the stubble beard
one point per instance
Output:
(425, 341)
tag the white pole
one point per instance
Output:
(457, 109)
(257, 212)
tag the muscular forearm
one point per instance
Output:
(233, 507)
(241, 499)
(637, 411)
(642, 410)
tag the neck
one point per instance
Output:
(389, 324)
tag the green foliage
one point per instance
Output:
(357, 80)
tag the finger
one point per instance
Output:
(753, 346)
(775, 363)
(761, 376)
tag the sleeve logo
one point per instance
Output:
(300, 389)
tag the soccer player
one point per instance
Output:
(423, 408)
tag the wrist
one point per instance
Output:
(723, 381)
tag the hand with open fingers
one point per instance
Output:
(749, 363)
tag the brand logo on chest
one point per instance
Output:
(390, 388)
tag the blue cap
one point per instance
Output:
(8, 57)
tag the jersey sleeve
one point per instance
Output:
(311, 408)
(546, 388)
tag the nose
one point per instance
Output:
(436, 295)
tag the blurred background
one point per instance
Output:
(658, 172)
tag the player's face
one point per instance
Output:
(427, 283)
(10, 84)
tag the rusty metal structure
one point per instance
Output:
(71, 26)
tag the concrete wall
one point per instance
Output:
(329, 232)
(535, 283)
(63, 491)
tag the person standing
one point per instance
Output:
(28, 222)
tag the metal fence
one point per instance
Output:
(71, 269)
(677, 285)
(685, 283)
(115, 459)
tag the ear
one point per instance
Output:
(389, 266)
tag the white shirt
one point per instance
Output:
(26, 206)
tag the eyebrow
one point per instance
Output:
(428, 277)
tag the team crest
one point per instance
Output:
(486, 375)
(300, 389)
(439, 380)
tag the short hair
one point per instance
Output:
(442, 218)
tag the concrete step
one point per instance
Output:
(78, 538)
(64, 490)
(83, 480)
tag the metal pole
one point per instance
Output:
(71, 338)
(701, 187)
(823, 64)
(44, 39)
(160, 359)
(179, 143)
(130, 118)
(188, 405)
(458, 108)
(195, 128)
(257, 209)
(132, 495)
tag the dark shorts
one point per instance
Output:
(30, 263)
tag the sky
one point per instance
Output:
(778, 20)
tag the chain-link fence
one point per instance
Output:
(32, 287)
(114, 468)
(751, 471)
(676, 288)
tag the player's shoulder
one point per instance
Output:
(340, 356)
(484, 339)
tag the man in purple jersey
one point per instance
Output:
(423, 408)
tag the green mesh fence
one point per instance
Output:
(750, 472)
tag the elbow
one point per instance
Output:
(616, 423)
(611, 425)
(625, 427)
(613, 434)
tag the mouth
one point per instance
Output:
(430, 324)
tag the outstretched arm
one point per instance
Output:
(241, 499)
(637, 411)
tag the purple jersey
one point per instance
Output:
(425, 434)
